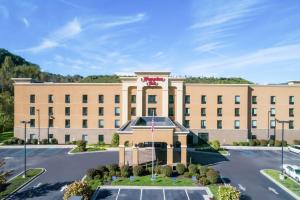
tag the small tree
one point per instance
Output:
(215, 145)
(2, 175)
(180, 168)
(78, 189)
(115, 140)
(138, 170)
(212, 176)
(167, 171)
(81, 144)
(192, 169)
(228, 193)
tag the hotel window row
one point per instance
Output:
(273, 100)
(272, 124)
(187, 99)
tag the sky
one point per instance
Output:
(258, 40)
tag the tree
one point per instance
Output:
(2, 175)
(5, 72)
(115, 140)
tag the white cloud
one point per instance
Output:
(68, 31)
(46, 44)
(26, 22)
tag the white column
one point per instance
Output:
(165, 102)
(124, 104)
(179, 104)
(139, 101)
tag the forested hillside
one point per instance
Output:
(13, 66)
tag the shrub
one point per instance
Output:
(8, 142)
(101, 143)
(14, 140)
(244, 143)
(126, 143)
(296, 142)
(91, 173)
(215, 145)
(212, 176)
(20, 141)
(102, 168)
(115, 140)
(44, 141)
(235, 144)
(263, 143)
(202, 170)
(192, 169)
(180, 168)
(254, 142)
(78, 189)
(186, 174)
(54, 141)
(228, 193)
(271, 142)
(284, 143)
(125, 171)
(167, 171)
(81, 144)
(112, 168)
(138, 170)
(158, 170)
(203, 181)
(277, 143)
(34, 141)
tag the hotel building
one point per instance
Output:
(187, 111)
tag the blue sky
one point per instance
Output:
(257, 39)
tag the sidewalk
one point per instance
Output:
(254, 148)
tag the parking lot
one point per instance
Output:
(151, 193)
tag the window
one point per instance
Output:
(67, 123)
(117, 123)
(117, 98)
(67, 111)
(50, 122)
(32, 111)
(237, 124)
(254, 99)
(273, 99)
(203, 123)
(67, 98)
(101, 111)
(254, 124)
(117, 111)
(151, 111)
(50, 111)
(101, 123)
(67, 138)
(237, 99)
(272, 123)
(187, 112)
(220, 99)
(291, 112)
(203, 99)
(151, 98)
(187, 99)
(291, 124)
(203, 112)
(219, 112)
(187, 123)
(291, 100)
(32, 98)
(84, 98)
(171, 111)
(84, 123)
(254, 112)
(273, 112)
(32, 123)
(219, 124)
(100, 138)
(85, 137)
(133, 111)
(133, 98)
(101, 98)
(84, 111)
(171, 99)
(237, 112)
(50, 98)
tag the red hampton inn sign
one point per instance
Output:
(152, 81)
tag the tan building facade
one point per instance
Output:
(94, 111)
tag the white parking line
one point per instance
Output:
(164, 193)
(38, 185)
(241, 187)
(141, 196)
(187, 194)
(273, 190)
(118, 194)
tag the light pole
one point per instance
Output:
(152, 130)
(282, 137)
(50, 116)
(25, 124)
(269, 113)
(39, 125)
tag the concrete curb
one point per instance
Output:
(253, 148)
(279, 185)
(209, 153)
(23, 185)
(46, 146)
(88, 152)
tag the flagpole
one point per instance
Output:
(152, 146)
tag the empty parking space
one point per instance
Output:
(152, 193)
(31, 152)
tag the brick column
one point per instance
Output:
(135, 156)
(170, 155)
(184, 154)
(121, 155)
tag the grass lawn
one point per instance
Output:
(18, 181)
(160, 181)
(214, 190)
(288, 182)
(5, 136)
(94, 183)
(91, 148)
